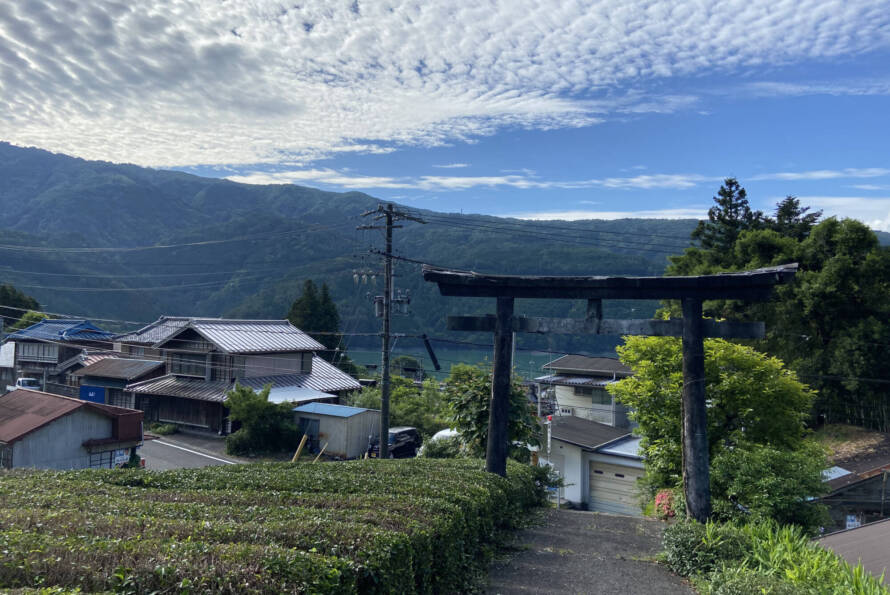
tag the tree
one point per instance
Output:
(316, 313)
(792, 220)
(265, 427)
(29, 318)
(755, 409)
(421, 408)
(14, 304)
(731, 215)
(468, 393)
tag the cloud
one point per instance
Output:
(876, 86)
(680, 213)
(870, 186)
(452, 165)
(526, 181)
(826, 174)
(873, 211)
(188, 82)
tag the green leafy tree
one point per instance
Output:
(756, 410)
(316, 313)
(29, 318)
(792, 220)
(423, 408)
(468, 393)
(14, 304)
(265, 427)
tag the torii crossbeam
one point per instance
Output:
(756, 285)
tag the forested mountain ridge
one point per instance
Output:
(274, 237)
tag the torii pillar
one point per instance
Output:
(756, 285)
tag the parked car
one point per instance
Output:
(404, 442)
(30, 383)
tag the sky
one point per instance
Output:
(524, 108)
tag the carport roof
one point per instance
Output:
(328, 409)
(582, 432)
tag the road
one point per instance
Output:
(161, 455)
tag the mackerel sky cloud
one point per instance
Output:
(445, 98)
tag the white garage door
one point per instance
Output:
(613, 488)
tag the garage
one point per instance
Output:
(613, 488)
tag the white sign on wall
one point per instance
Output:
(7, 355)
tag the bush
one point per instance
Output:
(449, 447)
(692, 548)
(265, 427)
(744, 581)
(163, 429)
(731, 559)
(367, 526)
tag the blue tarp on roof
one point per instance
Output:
(328, 409)
(63, 330)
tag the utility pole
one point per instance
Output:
(390, 215)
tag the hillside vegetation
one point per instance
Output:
(50, 201)
(364, 526)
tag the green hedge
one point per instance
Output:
(423, 526)
(728, 559)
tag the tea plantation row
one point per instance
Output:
(423, 526)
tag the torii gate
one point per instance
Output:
(756, 285)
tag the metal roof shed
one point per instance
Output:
(345, 430)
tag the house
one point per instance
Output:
(47, 431)
(859, 491)
(868, 545)
(49, 350)
(576, 385)
(104, 381)
(204, 358)
(345, 430)
(600, 464)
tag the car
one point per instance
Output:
(404, 442)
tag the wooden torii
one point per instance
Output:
(756, 285)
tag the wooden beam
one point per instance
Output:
(753, 285)
(696, 470)
(499, 411)
(724, 329)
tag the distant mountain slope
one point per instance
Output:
(58, 203)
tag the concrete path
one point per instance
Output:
(586, 552)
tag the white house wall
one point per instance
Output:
(59, 445)
(568, 459)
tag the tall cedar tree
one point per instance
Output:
(727, 219)
(316, 313)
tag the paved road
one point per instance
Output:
(162, 454)
(585, 552)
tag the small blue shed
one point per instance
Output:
(345, 430)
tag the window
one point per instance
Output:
(137, 350)
(583, 391)
(601, 397)
(5, 456)
(188, 364)
(306, 362)
(101, 460)
(38, 352)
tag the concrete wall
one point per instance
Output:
(272, 364)
(58, 445)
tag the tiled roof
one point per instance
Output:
(563, 380)
(231, 336)
(63, 330)
(183, 386)
(329, 409)
(581, 364)
(582, 432)
(124, 369)
(24, 411)
(324, 377)
(255, 336)
(157, 331)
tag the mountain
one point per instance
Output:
(91, 238)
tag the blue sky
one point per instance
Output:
(523, 108)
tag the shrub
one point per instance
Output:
(744, 581)
(265, 427)
(412, 526)
(692, 548)
(163, 429)
(449, 447)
